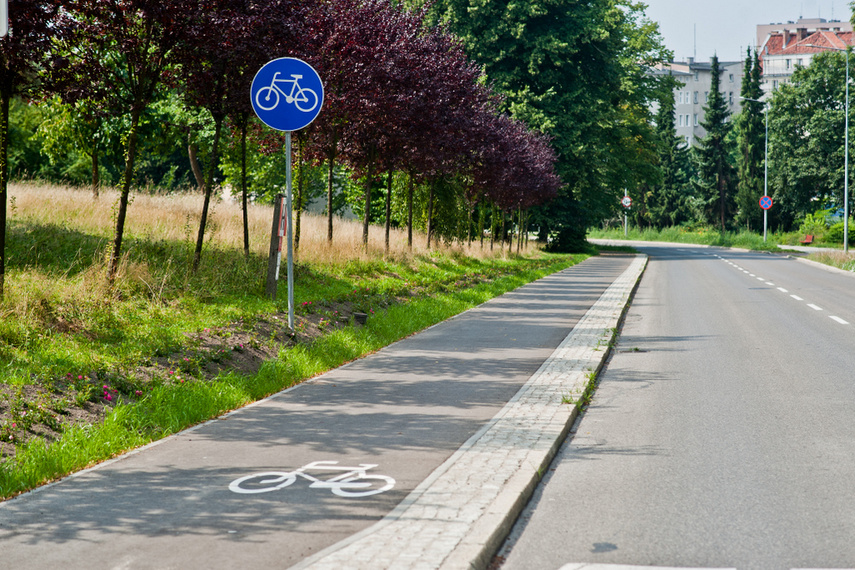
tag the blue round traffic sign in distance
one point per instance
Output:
(766, 202)
(287, 94)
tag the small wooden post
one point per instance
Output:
(275, 257)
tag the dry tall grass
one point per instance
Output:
(176, 217)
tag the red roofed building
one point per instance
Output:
(795, 45)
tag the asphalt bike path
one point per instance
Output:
(419, 455)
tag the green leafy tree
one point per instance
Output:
(715, 177)
(24, 50)
(575, 71)
(751, 140)
(668, 203)
(120, 53)
(806, 139)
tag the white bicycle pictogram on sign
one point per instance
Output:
(352, 482)
(302, 97)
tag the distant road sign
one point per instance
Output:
(626, 201)
(287, 94)
(766, 202)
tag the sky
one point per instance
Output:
(728, 27)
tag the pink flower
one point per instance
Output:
(108, 397)
(80, 377)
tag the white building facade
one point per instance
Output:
(784, 47)
(692, 96)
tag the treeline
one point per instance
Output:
(400, 95)
(452, 120)
(719, 181)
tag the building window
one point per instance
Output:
(681, 120)
(774, 84)
(696, 97)
(697, 76)
(706, 96)
(731, 78)
(800, 63)
(696, 119)
(787, 63)
(730, 98)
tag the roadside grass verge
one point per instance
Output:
(699, 236)
(89, 371)
(169, 408)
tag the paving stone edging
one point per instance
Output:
(459, 515)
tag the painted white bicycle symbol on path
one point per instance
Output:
(352, 482)
(302, 97)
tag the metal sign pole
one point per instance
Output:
(287, 105)
(289, 230)
(625, 216)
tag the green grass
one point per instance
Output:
(112, 335)
(700, 236)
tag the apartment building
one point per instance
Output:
(784, 47)
(692, 96)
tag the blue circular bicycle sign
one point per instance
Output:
(287, 94)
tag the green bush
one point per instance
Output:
(835, 233)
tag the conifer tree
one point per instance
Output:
(751, 138)
(668, 203)
(715, 178)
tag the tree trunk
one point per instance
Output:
(388, 207)
(299, 205)
(209, 184)
(243, 126)
(331, 162)
(192, 151)
(481, 216)
(127, 179)
(410, 213)
(96, 175)
(492, 225)
(430, 215)
(4, 183)
(469, 225)
(367, 214)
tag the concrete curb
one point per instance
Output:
(459, 515)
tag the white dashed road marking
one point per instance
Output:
(782, 290)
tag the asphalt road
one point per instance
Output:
(722, 433)
(403, 410)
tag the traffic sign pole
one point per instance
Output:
(289, 232)
(287, 94)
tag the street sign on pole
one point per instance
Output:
(626, 201)
(286, 94)
(766, 202)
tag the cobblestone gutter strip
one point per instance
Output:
(459, 515)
